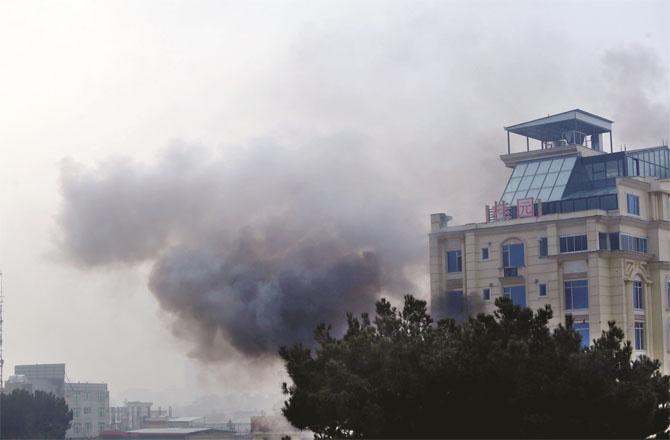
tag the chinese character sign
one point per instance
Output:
(525, 207)
(501, 211)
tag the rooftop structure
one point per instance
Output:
(575, 227)
(574, 127)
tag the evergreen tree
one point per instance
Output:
(34, 415)
(500, 375)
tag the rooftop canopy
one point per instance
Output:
(574, 127)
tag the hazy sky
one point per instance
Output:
(357, 118)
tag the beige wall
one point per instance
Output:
(609, 273)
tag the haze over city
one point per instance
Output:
(164, 161)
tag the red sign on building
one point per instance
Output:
(501, 211)
(524, 207)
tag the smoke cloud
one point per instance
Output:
(252, 245)
(638, 85)
(250, 253)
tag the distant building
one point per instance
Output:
(132, 415)
(170, 433)
(17, 382)
(274, 428)
(90, 407)
(49, 378)
(89, 402)
(576, 227)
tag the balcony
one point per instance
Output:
(509, 272)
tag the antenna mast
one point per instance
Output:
(2, 359)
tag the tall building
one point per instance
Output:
(584, 230)
(89, 403)
(43, 377)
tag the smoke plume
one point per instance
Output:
(250, 253)
(253, 245)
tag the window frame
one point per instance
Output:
(486, 294)
(572, 240)
(459, 261)
(540, 288)
(633, 204)
(638, 295)
(507, 255)
(639, 332)
(485, 250)
(568, 287)
(579, 327)
(543, 247)
(507, 291)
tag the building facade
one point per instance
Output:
(89, 403)
(130, 416)
(583, 230)
(49, 378)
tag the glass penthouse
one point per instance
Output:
(584, 230)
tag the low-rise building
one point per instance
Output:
(89, 403)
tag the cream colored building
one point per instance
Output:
(594, 242)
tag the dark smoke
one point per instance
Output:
(261, 297)
(253, 245)
(638, 83)
(253, 252)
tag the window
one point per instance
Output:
(544, 247)
(517, 293)
(486, 294)
(583, 330)
(639, 336)
(542, 290)
(77, 412)
(485, 253)
(101, 427)
(633, 204)
(631, 243)
(638, 295)
(87, 410)
(455, 304)
(667, 293)
(101, 412)
(513, 255)
(573, 243)
(576, 294)
(76, 427)
(603, 242)
(454, 261)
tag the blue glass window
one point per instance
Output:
(542, 290)
(517, 293)
(583, 329)
(638, 295)
(544, 179)
(513, 255)
(639, 336)
(544, 247)
(576, 294)
(573, 243)
(631, 243)
(454, 261)
(485, 253)
(486, 294)
(633, 204)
